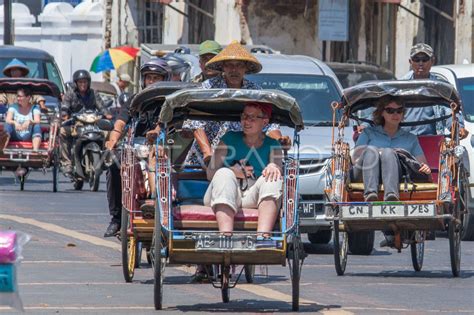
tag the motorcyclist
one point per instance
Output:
(75, 100)
(154, 70)
(179, 67)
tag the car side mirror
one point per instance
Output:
(105, 124)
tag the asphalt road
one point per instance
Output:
(69, 268)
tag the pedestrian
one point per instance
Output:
(122, 84)
(152, 71)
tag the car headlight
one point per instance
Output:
(142, 151)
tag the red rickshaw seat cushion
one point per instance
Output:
(431, 146)
(203, 213)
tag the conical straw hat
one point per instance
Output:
(234, 51)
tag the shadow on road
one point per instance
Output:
(413, 274)
(252, 306)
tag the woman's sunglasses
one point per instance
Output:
(391, 110)
(422, 59)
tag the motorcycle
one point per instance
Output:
(88, 153)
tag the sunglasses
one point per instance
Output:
(391, 110)
(422, 59)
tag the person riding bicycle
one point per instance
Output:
(154, 70)
(81, 97)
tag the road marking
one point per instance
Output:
(60, 230)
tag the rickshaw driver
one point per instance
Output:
(17, 69)
(233, 63)
(253, 157)
(421, 60)
(152, 71)
(82, 97)
(375, 159)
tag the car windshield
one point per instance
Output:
(313, 93)
(38, 69)
(466, 89)
(349, 79)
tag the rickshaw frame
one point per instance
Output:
(188, 246)
(408, 219)
(15, 156)
(137, 231)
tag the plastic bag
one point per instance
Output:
(11, 246)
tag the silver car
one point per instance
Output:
(314, 86)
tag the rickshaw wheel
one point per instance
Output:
(158, 265)
(129, 247)
(249, 271)
(55, 171)
(139, 249)
(225, 291)
(295, 271)
(22, 182)
(341, 244)
(417, 248)
(454, 233)
(78, 184)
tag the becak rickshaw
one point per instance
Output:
(434, 203)
(19, 156)
(137, 223)
(186, 231)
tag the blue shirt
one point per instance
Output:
(237, 150)
(377, 137)
(21, 119)
(426, 113)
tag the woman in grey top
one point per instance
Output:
(374, 156)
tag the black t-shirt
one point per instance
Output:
(144, 122)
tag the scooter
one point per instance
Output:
(88, 153)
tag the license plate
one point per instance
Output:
(388, 211)
(421, 210)
(212, 242)
(355, 211)
(309, 209)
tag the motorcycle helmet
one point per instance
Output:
(156, 66)
(179, 66)
(82, 74)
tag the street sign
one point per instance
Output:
(333, 20)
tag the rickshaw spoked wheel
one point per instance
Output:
(129, 248)
(139, 249)
(78, 183)
(417, 248)
(225, 277)
(157, 263)
(249, 271)
(55, 170)
(454, 234)
(341, 244)
(295, 261)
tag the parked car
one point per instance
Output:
(355, 72)
(462, 77)
(314, 86)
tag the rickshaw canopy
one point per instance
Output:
(153, 96)
(414, 93)
(228, 104)
(36, 86)
(103, 87)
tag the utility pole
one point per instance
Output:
(7, 24)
